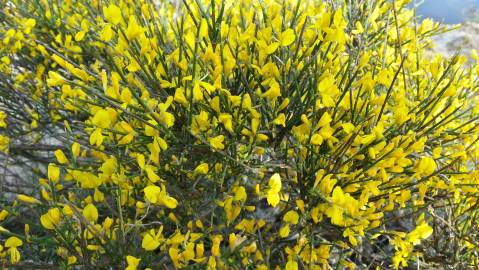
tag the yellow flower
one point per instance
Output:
(3, 214)
(326, 183)
(169, 201)
(102, 119)
(291, 217)
(157, 195)
(152, 240)
(61, 158)
(274, 189)
(152, 193)
(90, 212)
(226, 120)
(75, 150)
(140, 159)
(291, 265)
(80, 35)
(287, 37)
(4, 141)
(71, 260)
(203, 29)
(215, 248)
(51, 219)
(421, 232)
(336, 211)
(53, 173)
(359, 28)
(96, 137)
(180, 96)
(152, 176)
(132, 262)
(351, 236)
(112, 14)
(217, 142)
(271, 48)
(106, 33)
(13, 241)
(3, 115)
(28, 25)
(27, 199)
(280, 120)
(200, 249)
(425, 166)
(203, 168)
(348, 127)
(273, 92)
(134, 30)
(240, 194)
(280, 85)
(316, 139)
(316, 215)
(284, 231)
(55, 79)
(197, 92)
(328, 91)
(67, 210)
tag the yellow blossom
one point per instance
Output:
(53, 173)
(203, 168)
(274, 189)
(61, 158)
(51, 219)
(132, 262)
(27, 199)
(217, 142)
(90, 212)
(112, 14)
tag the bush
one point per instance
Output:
(234, 135)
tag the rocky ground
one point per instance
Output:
(464, 39)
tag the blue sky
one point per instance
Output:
(449, 11)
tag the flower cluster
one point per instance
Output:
(219, 134)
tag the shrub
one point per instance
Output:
(234, 135)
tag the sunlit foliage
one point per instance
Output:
(247, 134)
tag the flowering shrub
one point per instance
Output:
(234, 135)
